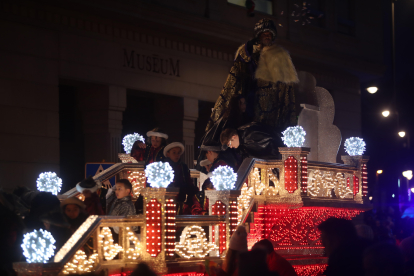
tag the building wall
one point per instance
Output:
(99, 48)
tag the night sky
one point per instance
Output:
(386, 149)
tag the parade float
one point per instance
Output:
(282, 200)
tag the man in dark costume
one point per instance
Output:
(262, 73)
(153, 152)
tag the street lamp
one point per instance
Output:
(408, 174)
(401, 134)
(372, 89)
(386, 113)
(379, 172)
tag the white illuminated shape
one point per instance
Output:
(372, 89)
(193, 243)
(294, 136)
(370, 198)
(385, 113)
(49, 182)
(379, 172)
(79, 264)
(412, 190)
(408, 174)
(159, 174)
(393, 195)
(401, 134)
(354, 146)
(38, 246)
(129, 141)
(224, 178)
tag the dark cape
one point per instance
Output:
(259, 141)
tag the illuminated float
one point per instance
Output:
(282, 200)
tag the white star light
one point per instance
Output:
(354, 146)
(49, 182)
(38, 246)
(224, 178)
(129, 141)
(294, 136)
(159, 174)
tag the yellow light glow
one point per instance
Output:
(401, 134)
(379, 172)
(372, 89)
(386, 113)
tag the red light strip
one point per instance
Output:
(291, 174)
(153, 215)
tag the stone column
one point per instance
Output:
(189, 119)
(102, 107)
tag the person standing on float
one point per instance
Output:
(264, 74)
(153, 152)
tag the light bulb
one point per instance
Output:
(372, 89)
(401, 134)
(386, 113)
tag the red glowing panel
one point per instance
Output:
(364, 180)
(304, 173)
(291, 174)
(310, 270)
(296, 227)
(356, 184)
(186, 274)
(218, 208)
(222, 237)
(169, 229)
(233, 217)
(153, 215)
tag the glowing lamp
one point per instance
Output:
(372, 89)
(385, 113)
(379, 172)
(393, 195)
(49, 182)
(412, 190)
(129, 141)
(354, 146)
(408, 174)
(370, 198)
(294, 136)
(401, 134)
(223, 178)
(159, 174)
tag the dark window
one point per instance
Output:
(265, 6)
(345, 10)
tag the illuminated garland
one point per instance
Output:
(159, 174)
(197, 246)
(255, 179)
(38, 246)
(342, 187)
(79, 264)
(110, 249)
(224, 178)
(315, 183)
(243, 201)
(137, 180)
(294, 136)
(354, 146)
(49, 182)
(133, 253)
(129, 141)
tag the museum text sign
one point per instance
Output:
(151, 63)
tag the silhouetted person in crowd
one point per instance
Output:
(253, 263)
(143, 270)
(74, 211)
(407, 249)
(342, 247)
(275, 262)
(237, 246)
(383, 259)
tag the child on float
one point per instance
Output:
(182, 178)
(89, 187)
(74, 212)
(214, 155)
(119, 201)
(153, 152)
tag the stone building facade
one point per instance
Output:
(75, 76)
